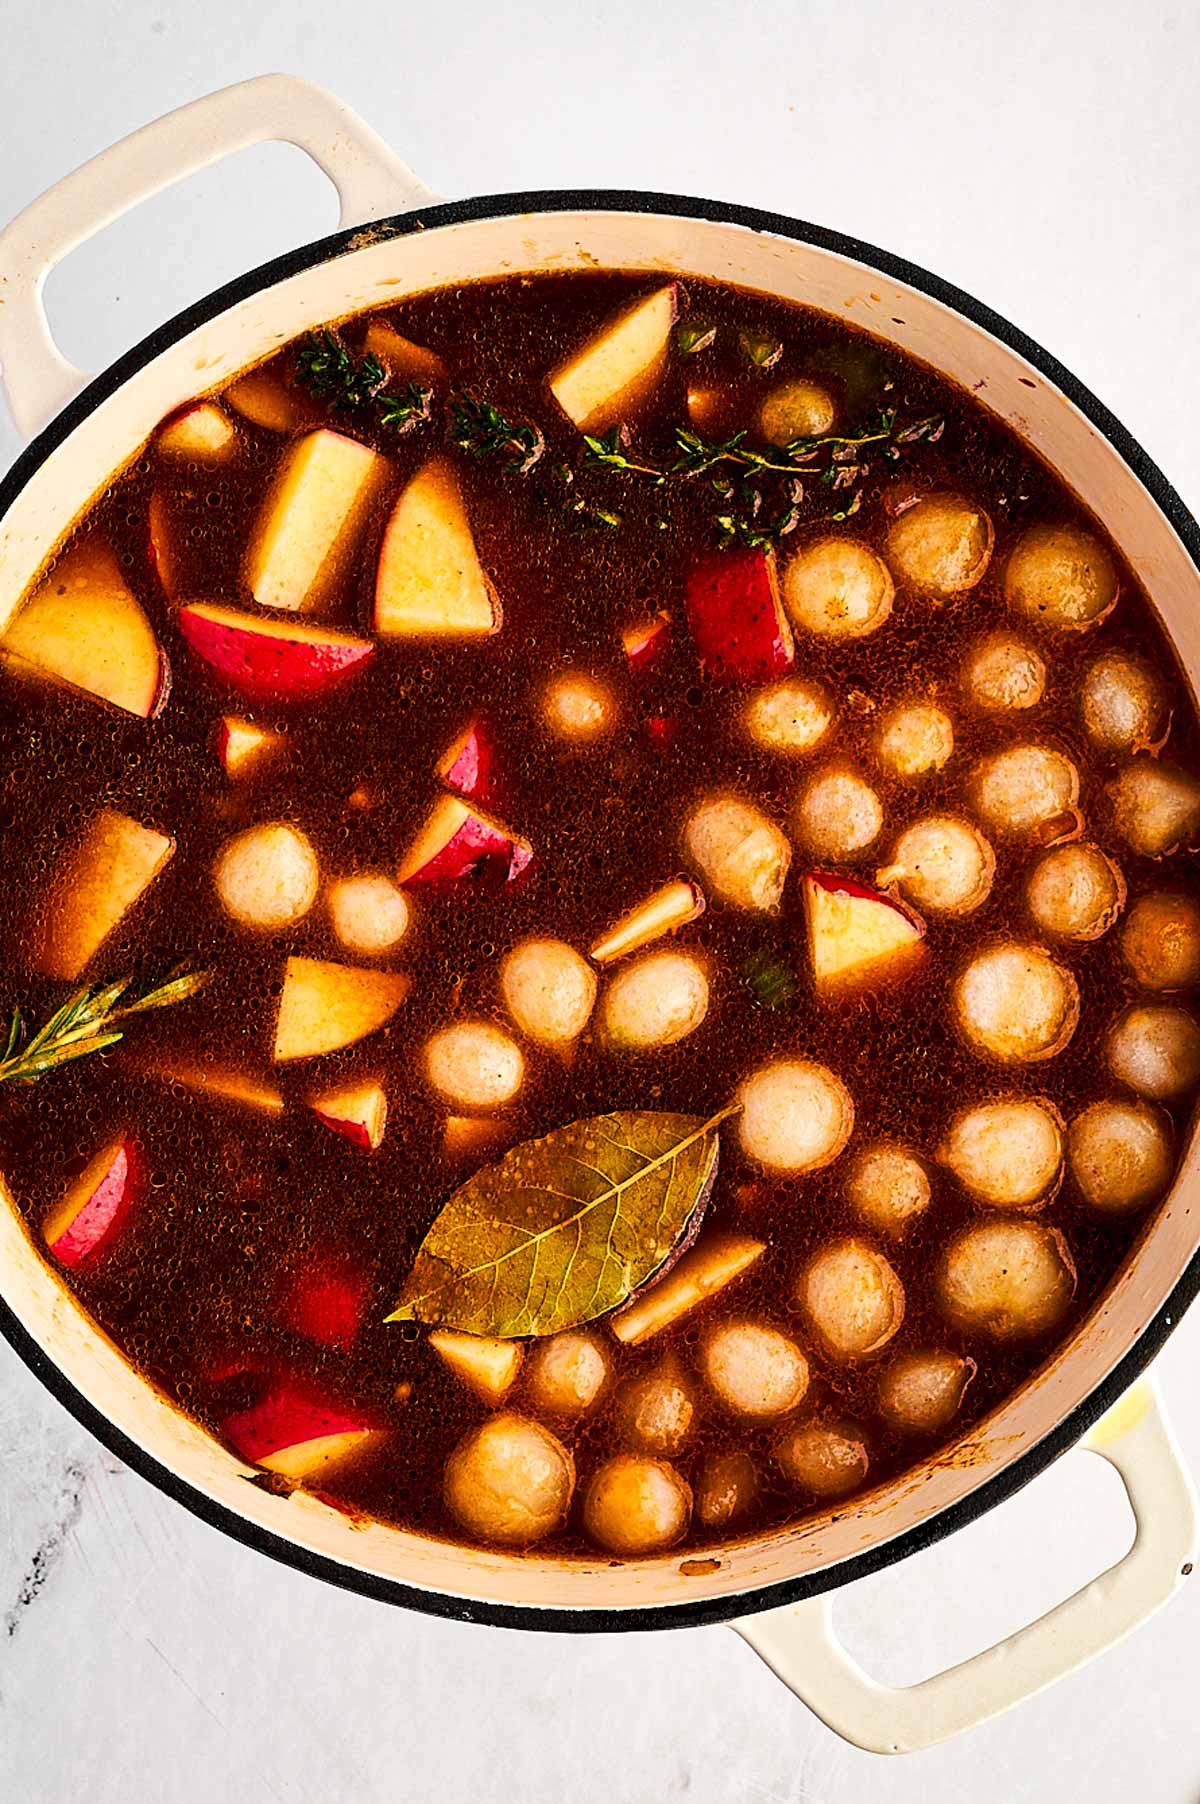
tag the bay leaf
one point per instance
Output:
(565, 1228)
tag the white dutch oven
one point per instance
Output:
(395, 240)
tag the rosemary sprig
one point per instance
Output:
(482, 431)
(350, 384)
(85, 1024)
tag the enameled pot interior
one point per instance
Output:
(381, 264)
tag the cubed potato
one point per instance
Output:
(1120, 1153)
(888, 1188)
(837, 815)
(549, 991)
(201, 433)
(824, 1459)
(94, 886)
(836, 588)
(725, 1491)
(577, 708)
(1016, 1004)
(1156, 809)
(698, 1275)
(267, 877)
(1008, 1278)
(1026, 789)
(1061, 577)
(325, 1006)
(1123, 704)
(619, 363)
(1155, 1049)
(796, 1116)
(636, 1505)
(474, 1065)
(487, 1366)
(1075, 892)
(789, 717)
(369, 914)
(509, 1481)
(1006, 1152)
(655, 1001)
(914, 739)
(1160, 941)
(921, 1392)
(941, 863)
(797, 409)
(857, 938)
(655, 1412)
(567, 1374)
(852, 1298)
(318, 505)
(940, 546)
(741, 855)
(753, 1369)
(1003, 674)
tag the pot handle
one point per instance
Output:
(799, 1645)
(370, 179)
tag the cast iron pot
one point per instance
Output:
(395, 239)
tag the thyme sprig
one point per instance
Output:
(482, 431)
(85, 1023)
(355, 384)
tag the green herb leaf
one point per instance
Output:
(565, 1228)
(772, 983)
(691, 339)
(85, 1023)
(763, 352)
(482, 431)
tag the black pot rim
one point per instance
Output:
(1003, 1484)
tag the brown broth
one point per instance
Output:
(238, 1200)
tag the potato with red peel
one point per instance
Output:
(1120, 1153)
(1160, 941)
(888, 1188)
(469, 765)
(644, 641)
(1075, 892)
(1008, 1278)
(1155, 1049)
(852, 1298)
(272, 660)
(943, 864)
(474, 1065)
(94, 1210)
(299, 1434)
(403, 361)
(636, 1505)
(201, 432)
(549, 991)
(825, 1459)
(357, 1111)
(567, 1374)
(657, 1000)
(369, 914)
(459, 843)
(1123, 704)
(796, 1116)
(789, 718)
(856, 936)
(1016, 1004)
(267, 877)
(1061, 577)
(736, 618)
(325, 1299)
(725, 1491)
(797, 409)
(837, 815)
(1156, 809)
(430, 582)
(753, 1369)
(1007, 1152)
(94, 886)
(244, 747)
(655, 1412)
(836, 588)
(915, 739)
(577, 709)
(1026, 789)
(940, 546)
(487, 1366)
(921, 1392)
(509, 1482)
(1003, 674)
(741, 854)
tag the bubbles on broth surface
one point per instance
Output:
(247, 1207)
